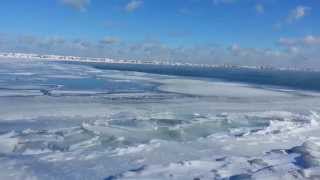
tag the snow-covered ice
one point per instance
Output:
(63, 121)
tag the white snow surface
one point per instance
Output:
(61, 121)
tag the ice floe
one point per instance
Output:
(62, 121)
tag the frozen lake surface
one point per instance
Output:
(66, 121)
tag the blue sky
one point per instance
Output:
(201, 31)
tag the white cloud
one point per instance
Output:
(235, 48)
(311, 40)
(295, 15)
(259, 8)
(308, 40)
(110, 40)
(298, 13)
(80, 5)
(306, 50)
(133, 5)
(287, 42)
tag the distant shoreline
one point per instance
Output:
(62, 58)
(289, 78)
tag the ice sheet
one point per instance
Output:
(62, 121)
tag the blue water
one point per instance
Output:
(306, 80)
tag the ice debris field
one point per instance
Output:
(66, 121)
